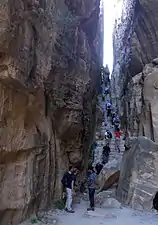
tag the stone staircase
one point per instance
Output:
(115, 157)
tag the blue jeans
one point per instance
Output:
(91, 197)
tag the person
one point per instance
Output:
(107, 137)
(91, 187)
(98, 168)
(106, 152)
(108, 108)
(117, 139)
(68, 183)
(116, 122)
(113, 114)
(109, 134)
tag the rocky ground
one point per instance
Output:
(101, 216)
(108, 209)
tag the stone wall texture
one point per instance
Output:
(49, 76)
(135, 42)
(135, 93)
(139, 174)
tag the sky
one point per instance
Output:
(110, 13)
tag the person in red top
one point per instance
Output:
(117, 139)
(117, 133)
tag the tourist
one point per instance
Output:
(105, 154)
(68, 182)
(91, 187)
(108, 108)
(116, 122)
(113, 115)
(117, 139)
(98, 168)
(107, 137)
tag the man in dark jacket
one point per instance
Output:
(68, 182)
(91, 187)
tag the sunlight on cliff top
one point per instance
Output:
(112, 11)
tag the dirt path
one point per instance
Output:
(105, 216)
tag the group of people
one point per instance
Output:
(68, 182)
(69, 177)
(115, 120)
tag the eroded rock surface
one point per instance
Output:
(135, 43)
(49, 72)
(140, 108)
(138, 176)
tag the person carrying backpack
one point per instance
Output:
(105, 154)
(109, 134)
(98, 168)
(91, 187)
(108, 108)
(116, 122)
(68, 183)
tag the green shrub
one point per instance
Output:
(60, 204)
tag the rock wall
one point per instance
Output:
(134, 92)
(140, 104)
(49, 77)
(139, 174)
(135, 43)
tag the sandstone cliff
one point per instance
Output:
(49, 75)
(138, 178)
(135, 41)
(134, 92)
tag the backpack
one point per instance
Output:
(109, 134)
(64, 180)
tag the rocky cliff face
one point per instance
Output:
(49, 72)
(135, 41)
(134, 84)
(138, 178)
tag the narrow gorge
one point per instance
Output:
(51, 60)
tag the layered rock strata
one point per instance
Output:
(138, 178)
(135, 43)
(49, 77)
(134, 92)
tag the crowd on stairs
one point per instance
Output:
(106, 145)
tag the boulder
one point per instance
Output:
(108, 178)
(138, 181)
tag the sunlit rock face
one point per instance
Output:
(135, 44)
(140, 114)
(135, 92)
(49, 72)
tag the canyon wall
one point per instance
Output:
(135, 45)
(49, 77)
(135, 93)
